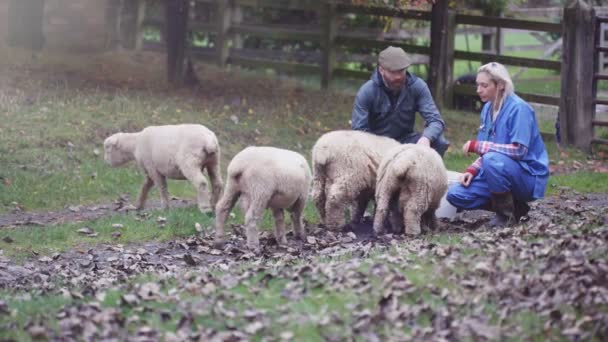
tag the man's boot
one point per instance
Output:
(521, 209)
(502, 203)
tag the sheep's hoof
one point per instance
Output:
(379, 231)
(255, 249)
(219, 243)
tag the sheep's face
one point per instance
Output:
(113, 154)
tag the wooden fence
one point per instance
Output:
(440, 55)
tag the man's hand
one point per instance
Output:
(466, 178)
(465, 147)
(424, 141)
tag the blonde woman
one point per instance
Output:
(513, 165)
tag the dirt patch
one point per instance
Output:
(79, 213)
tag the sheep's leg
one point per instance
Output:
(296, 218)
(319, 197)
(395, 217)
(193, 173)
(411, 219)
(429, 220)
(279, 226)
(223, 207)
(252, 217)
(215, 177)
(143, 192)
(382, 209)
(161, 183)
(337, 200)
(359, 211)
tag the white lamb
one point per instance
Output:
(174, 152)
(411, 182)
(265, 177)
(344, 166)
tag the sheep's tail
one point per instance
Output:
(211, 150)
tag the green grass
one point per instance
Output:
(28, 240)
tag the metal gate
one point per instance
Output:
(601, 49)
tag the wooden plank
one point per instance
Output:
(599, 141)
(501, 22)
(379, 44)
(443, 27)
(600, 123)
(139, 28)
(203, 27)
(329, 25)
(600, 102)
(467, 89)
(509, 60)
(519, 24)
(537, 98)
(203, 54)
(576, 109)
(383, 11)
(153, 22)
(223, 25)
(355, 74)
(283, 4)
(600, 77)
(283, 66)
(601, 49)
(277, 32)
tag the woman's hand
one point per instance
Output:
(465, 147)
(466, 178)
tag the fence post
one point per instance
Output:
(139, 25)
(237, 19)
(443, 26)
(576, 100)
(329, 30)
(223, 25)
(176, 27)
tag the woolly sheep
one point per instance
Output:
(411, 182)
(344, 167)
(174, 152)
(265, 177)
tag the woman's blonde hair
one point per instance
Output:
(498, 73)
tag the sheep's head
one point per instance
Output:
(114, 153)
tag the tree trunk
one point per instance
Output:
(176, 19)
(25, 19)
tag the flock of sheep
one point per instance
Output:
(350, 168)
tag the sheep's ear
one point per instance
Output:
(110, 141)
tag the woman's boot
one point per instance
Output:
(503, 206)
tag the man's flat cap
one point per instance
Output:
(393, 59)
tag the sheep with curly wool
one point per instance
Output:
(171, 151)
(411, 182)
(344, 168)
(265, 177)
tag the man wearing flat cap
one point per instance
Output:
(387, 104)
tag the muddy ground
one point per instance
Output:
(198, 249)
(553, 261)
